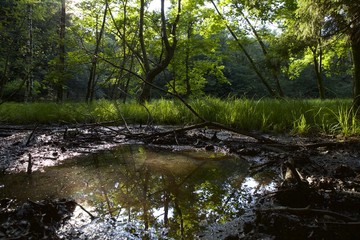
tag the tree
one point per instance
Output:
(271, 62)
(94, 60)
(122, 24)
(14, 32)
(248, 56)
(199, 57)
(29, 55)
(31, 34)
(168, 41)
(237, 24)
(334, 18)
(62, 52)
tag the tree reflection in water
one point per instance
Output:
(142, 193)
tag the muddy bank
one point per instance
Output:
(318, 178)
(45, 146)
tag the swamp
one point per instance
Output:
(104, 182)
(181, 119)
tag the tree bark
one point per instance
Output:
(187, 62)
(317, 58)
(29, 56)
(355, 46)
(92, 76)
(152, 72)
(60, 84)
(354, 36)
(4, 77)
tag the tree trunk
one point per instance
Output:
(318, 72)
(272, 67)
(355, 45)
(146, 90)
(92, 76)
(4, 77)
(29, 57)
(152, 72)
(187, 62)
(247, 55)
(60, 84)
(145, 94)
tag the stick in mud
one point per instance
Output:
(31, 135)
(29, 167)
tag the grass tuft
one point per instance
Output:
(267, 115)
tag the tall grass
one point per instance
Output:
(291, 116)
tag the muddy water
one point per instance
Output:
(138, 192)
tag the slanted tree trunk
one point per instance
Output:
(247, 55)
(272, 67)
(60, 84)
(92, 77)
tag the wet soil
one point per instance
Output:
(318, 194)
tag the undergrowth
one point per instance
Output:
(267, 115)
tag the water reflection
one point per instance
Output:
(144, 193)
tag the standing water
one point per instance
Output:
(137, 192)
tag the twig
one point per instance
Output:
(65, 132)
(238, 131)
(91, 216)
(122, 117)
(31, 136)
(299, 179)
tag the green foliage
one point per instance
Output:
(345, 122)
(267, 115)
(166, 111)
(300, 125)
(207, 60)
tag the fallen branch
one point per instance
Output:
(261, 167)
(210, 125)
(91, 216)
(238, 131)
(308, 210)
(356, 224)
(175, 131)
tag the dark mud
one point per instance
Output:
(318, 194)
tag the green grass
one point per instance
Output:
(268, 115)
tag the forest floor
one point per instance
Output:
(318, 195)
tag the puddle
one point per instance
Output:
(138, 192)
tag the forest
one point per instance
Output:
(87, 50)
(179, 119)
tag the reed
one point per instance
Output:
(266, 115)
